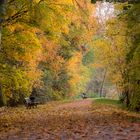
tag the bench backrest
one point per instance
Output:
(27, 100)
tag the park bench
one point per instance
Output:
(84, 96)
(29, 103)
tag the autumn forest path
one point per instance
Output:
(75, 120)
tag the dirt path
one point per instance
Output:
(77, 120)
(77, 104)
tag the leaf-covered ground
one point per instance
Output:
(75, 120)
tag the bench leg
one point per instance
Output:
(31, 105)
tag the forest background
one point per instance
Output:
(62, 48)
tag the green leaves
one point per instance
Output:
(88, 58)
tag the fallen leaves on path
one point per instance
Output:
(77, 120)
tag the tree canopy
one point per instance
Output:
(65, 47)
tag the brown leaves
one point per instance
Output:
(72, 120)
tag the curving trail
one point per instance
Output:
(76, 120)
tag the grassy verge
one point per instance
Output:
(115, 109)
(107, 101)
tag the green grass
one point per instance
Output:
(107, 101)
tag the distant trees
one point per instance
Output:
(118, 49)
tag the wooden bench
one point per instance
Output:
(30, 104)
(84, 96)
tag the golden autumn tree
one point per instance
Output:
(40, 42)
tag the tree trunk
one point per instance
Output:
(1, 97)
(102, 84)
(2, 14)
